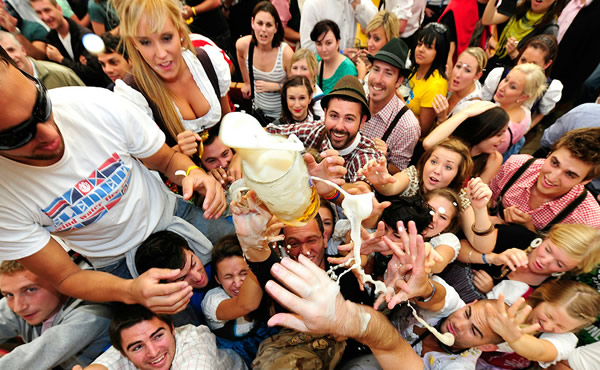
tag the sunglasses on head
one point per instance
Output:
(24, 132)
(439, 27)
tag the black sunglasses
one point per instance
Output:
(24, 132)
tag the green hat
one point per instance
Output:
(394, 53)
(350, 87)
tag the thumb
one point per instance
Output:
(310, 161)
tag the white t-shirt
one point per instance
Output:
(196, 349)
(564, 343)
(448, 239)
(211, 302)
(213, 115)
(97, 197)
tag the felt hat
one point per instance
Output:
(394, 53)
(348, 86)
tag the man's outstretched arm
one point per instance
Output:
(318, 307)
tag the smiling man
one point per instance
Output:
(346, 110)
(551, 190)
(143, 340)
(393, 127)
(58, 331)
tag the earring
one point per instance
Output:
(557, 274)
(535, 243)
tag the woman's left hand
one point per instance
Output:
(508, 323)
(483, 281)
(265, 86)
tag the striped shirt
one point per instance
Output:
(270, 102)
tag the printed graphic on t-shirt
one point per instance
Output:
(90, 198)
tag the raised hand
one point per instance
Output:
(510, 323)
(376, 172)
(479, 193)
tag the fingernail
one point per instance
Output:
(276, 267)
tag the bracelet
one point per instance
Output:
(190, 168)
(333, 197)
(484, 260)
(470, 253)
(194, 10)
(423, 300)
(482, 233)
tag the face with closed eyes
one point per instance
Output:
(161, 50)
(549, 258)
(470, 327)
(554, 318)
(440, 169)
(511, 89)
(192, 271)
(491, 144)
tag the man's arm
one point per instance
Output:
(168, 161)
(318, 307)
(54, 264)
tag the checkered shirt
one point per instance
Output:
(587, 213)
(196, 349)
(403, 138)
(311, 135)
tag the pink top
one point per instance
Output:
(518, 130)
(568, 14)
(283, 9)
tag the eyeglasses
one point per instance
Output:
(24, 132)
(439, 27)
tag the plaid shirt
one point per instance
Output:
(313, 136)
(403, 138)
(587, 213)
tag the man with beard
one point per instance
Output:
(346, 110)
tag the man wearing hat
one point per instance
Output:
(346, 110)
(392, 124)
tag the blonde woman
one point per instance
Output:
(168, 79)
(523, 84)
(304, 63)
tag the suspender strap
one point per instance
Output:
(394, 122)
(321, 75)
(499, 208)
(209, 69)
(566, 211)
(251, 68)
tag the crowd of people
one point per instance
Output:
(127, 241)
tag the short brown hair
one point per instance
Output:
(10, 267)
(53, 2)
(584, 144)
(464, 168)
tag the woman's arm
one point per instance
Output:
(287, 59)
(476, 217)
(247, 301)
(491, 15)
(492, 166)
(377, 175)
(98, 27)
(426, 118)
(241, 47)
(447, 253)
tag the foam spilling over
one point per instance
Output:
(357, 208)
(447, 338)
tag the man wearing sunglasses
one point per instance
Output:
(77, 167)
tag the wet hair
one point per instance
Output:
(163, 249)
(227, 246)
(10, 267)
(465, 166)
(453, 198)
(433, 36)
(311, 61)
(579, 242)
(480, 56)
(584, 144)
(476, 129)
(551, 14)
(113, 44)
(286, 115)
(128, 315)
(581, 301)
(547, 44)
(406, 209)
(535, 80)
(266, 6)
(157, 13)
(6, 59)
(388, 21)
(323, 27)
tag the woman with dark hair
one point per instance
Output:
(531, 18)
(428, 78)
(481, 127)
(296, 101)
(540, 50)
(332, 64)
(269, 57)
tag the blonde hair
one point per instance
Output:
(581, 301)
(535, 80)
(10, 267)
(388, 21)
(580, 242)
(480, 56)
(311, 61)
(157, 13)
